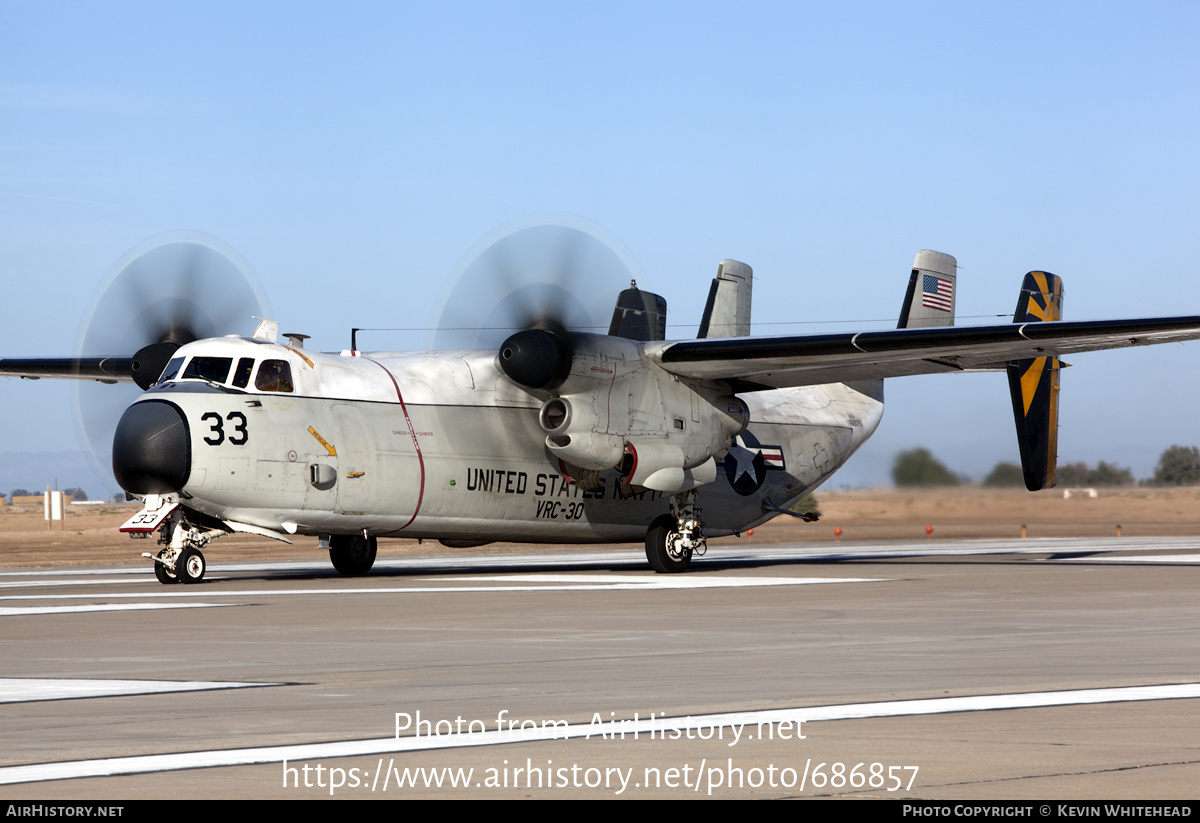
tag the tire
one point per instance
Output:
(658, 550)
(164, 575)
(190, 566)
(351, 554)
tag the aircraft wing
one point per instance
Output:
(104, 369)
(757, 363)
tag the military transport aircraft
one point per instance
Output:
(555, 435)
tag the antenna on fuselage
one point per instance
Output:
(268, 330)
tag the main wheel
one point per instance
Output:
(164, 574)
(352, 554)
(663, 548)
(190, 566)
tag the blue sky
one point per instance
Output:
(353, 154)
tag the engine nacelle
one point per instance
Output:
(658, 463)
(571, 434)
(616, 408)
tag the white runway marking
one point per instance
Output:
(867, 549)
(1153, 558)
(30, 584)
(325, 751)
(61, 572)
(27, 690)
(641, 581)
(553, 583)
(14, 611)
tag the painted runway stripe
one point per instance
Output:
(60, 572)
(31, 689)
(14, 611)
(612, 583)
(325, 751)
(1159, 558)
(33, 584)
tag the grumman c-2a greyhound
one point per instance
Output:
(556, 435)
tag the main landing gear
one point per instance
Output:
(674, 538)
(352, 555)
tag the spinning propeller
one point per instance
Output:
(168, 291)
(526, 287)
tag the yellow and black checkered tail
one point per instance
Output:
(1033, 384)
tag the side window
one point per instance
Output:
(274, 375)
(171, 370)
(214, 369)
(241, 377)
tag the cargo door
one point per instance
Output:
(357, 483)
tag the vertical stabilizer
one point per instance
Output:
(727, 313)
(930, 298)
(1033, 384)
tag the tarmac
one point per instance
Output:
(1022, 669)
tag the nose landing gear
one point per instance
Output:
(181, 561)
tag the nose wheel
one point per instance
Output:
(186, 566)
(190, 566)
(181, 561)
(165, 576)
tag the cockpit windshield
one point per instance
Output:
(272, 375)
(213, 369)
(171, 370)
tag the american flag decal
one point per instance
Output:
(936, 292)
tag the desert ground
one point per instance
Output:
(89, 535)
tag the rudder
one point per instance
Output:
(1033, 384)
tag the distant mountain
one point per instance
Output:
(36, 470)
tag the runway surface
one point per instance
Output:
(1065, 669)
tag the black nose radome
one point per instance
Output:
(152, 451)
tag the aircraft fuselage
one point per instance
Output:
(441, 445)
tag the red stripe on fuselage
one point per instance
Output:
(413, 433)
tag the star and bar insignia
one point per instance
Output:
(748, 462)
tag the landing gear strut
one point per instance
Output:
(674, 538)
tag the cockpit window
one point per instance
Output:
(274, 375)
(241, 376)
(214, 369)
(171, 370)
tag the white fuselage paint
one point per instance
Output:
(442, 445)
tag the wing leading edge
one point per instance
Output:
(104, 369)
(757, 363)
